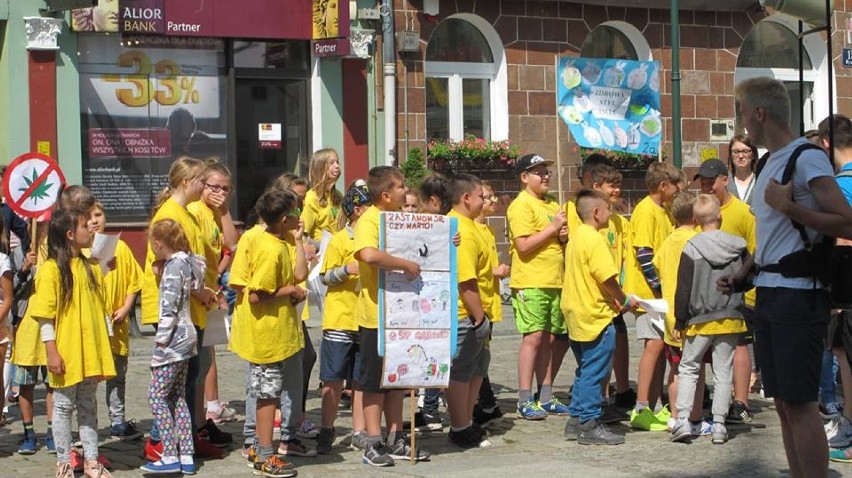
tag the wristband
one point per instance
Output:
(626, 301)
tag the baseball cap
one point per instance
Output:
(356, 196)
(711, 168)
(528, 161)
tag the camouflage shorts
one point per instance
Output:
(266, 380)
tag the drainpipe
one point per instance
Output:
(389, 60)
(676, 141)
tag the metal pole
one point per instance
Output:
(676, 141)
(828, 11)
(801, 80)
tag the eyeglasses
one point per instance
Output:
(217, 188)
(740, 152)
(491, 197)
(295, 213)
(540, 173)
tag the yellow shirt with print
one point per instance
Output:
(210, 231)
(82, 339)
(541, 268)
(650, 225)
(474, 262)
(737, 219)
(120, 282)
(318, 218)
(150, 283)
(496, 312)
(340, 299)
(367, 236)
(244, 246)
(586, 307)
(269, 331)
(667, 261)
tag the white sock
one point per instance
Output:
(186, 460)
(213, 406)
(168, 460)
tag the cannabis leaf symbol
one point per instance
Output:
(41, 191)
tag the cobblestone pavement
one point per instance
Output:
(519, 447)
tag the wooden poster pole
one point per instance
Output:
(412, 399)
(558, 139)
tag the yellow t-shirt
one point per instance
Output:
(667, 261)
(367, 236)
(474, 262)
(244, 246)
(150, 284)
(586, 307)
(319, 218)
(649, 227)
(210, 231)
(496, 312)
(82, 339)
(340, 299)
(120, 282)
(717, 327)
(616, 234)
(269, 331)
(541, 268)
(572, 217)
(737, 219)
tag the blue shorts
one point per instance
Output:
(28, 375)
(338, 360)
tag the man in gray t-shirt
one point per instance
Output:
(791, 313)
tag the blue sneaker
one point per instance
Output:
(531, 410)
(28, 445)
(188, 469)
(49, 444)
(554, 407)
(160, 467)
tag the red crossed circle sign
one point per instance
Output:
(32, 184)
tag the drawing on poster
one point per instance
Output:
(421, 238)
(422, 303)
(416, 358)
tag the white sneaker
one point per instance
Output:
(843, 436)
(834, 426)
(672, 422)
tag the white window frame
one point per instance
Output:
(496, 109)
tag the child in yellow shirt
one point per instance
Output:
(387, 190)
(537, 234)
(69, 306)
(667, 261)
(121, 285)
(266, 331)
(650, 224)
(486, 411)
(218, 234)
(705, 318)
(322, 200)
(339, 349)
(591, 299)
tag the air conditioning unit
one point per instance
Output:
(407, 41)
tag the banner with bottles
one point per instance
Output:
(611, 104)
(142, 105)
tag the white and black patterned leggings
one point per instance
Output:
(65, 400)
(167, 396)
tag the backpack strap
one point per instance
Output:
(787, 176)
(761, 163)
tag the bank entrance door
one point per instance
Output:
(271, 123)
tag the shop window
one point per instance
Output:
(771, 49)
(460, 76)
(607, 41)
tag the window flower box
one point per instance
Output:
(471, 155)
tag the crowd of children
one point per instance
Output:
(575, 271)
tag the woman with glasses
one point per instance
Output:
(742, 154)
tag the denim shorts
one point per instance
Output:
(338, 360)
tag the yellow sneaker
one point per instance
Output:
(646, 420)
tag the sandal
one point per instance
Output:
(93, 469)
(64, 470)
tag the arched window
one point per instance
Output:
(464, 80)
(608, 42)
(771, 49)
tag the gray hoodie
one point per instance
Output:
(705, 258)
(182, 273)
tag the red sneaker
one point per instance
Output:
(153, 451)
(103, 460)
(205, 449)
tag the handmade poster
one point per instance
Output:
(422, 238)
(418, 316)
(611, 104)
(416, 358)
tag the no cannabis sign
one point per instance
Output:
(32, 183)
